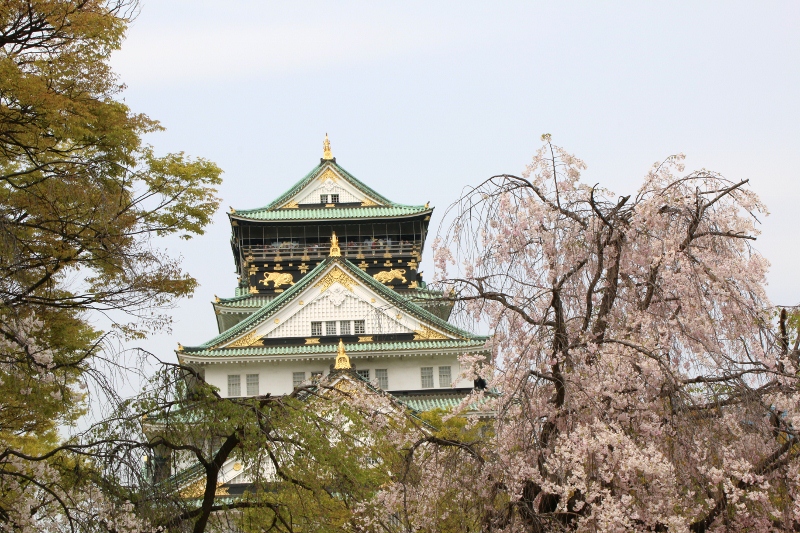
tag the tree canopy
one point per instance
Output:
(645, 382)
(82, 202)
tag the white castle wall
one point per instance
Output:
(275, 377)
(338, 303)
(347, 193)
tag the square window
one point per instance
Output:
(426, 377)
(444, 376)
(234, 386)
(334, 198)
(323, 198)
(252, 384)
(330, 327)
(382, 375)
(363, 373)
(360, 327)
(316, 329)
(344, 327)
(298, 378)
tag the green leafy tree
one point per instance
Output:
(311, 461)
(82, 199)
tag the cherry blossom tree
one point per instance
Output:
(640, 379)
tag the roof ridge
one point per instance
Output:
(427, 315)
(308, 178)
(275, 302)
(354, 349)
(280, 300)
(366, 189)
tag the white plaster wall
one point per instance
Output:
(276, 377)
(346, 192)
(338, 303)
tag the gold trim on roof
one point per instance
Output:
(291, 205)
(342, 360)
(251, 339)
(336, 275)
(198, 489)
(329, 174)
(368, 203)
(426, 333)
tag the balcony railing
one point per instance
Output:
(290, 250)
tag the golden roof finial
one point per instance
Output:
(342, 360)
(327, 155)
(335, 250)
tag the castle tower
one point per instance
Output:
(331, 266)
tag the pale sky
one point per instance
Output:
(422, 98)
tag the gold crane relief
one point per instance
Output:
(277, 278)
(389, 275)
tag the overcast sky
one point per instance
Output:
(421, 99)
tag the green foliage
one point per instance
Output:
(310, 460)
(81, 197)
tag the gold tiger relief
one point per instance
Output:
(278, 279)
(389, 275)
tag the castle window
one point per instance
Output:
(330, 327)
(334, 198)
(344, 327)
(360, 328)
(252, 384)
(426, 377)
(298, 378)
(316, 329)
(444, 376)
(382, 375)
(363, 373)
(323, 198)
(234, 385)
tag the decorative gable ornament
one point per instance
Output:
(327, 155)
(342, 359)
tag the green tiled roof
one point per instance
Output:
(288, 295)
(246, 300)
(330, 349)
(272, 211)
(332, 213)
(428, 404)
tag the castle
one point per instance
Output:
(333, 263)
